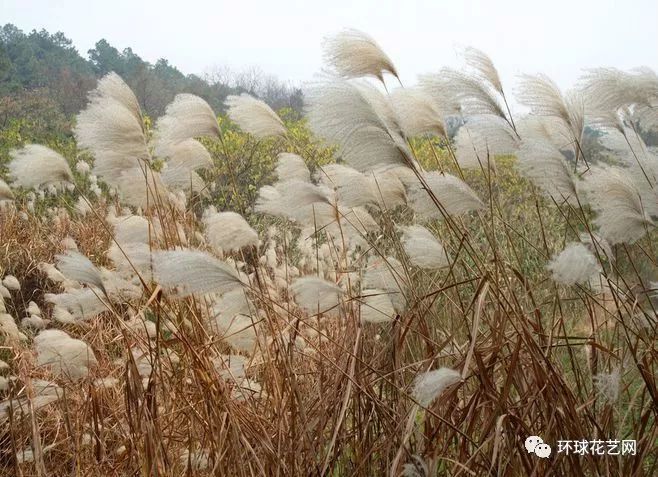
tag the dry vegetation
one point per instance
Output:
(417, 308)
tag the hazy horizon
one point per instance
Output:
(285, 38)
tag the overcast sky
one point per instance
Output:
(283, 37)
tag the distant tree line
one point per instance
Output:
(40, 71)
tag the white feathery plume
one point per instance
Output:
(315, 295)
(621, 215)
(290, 166)
(594, 241)
(64, 355)
(228, 231)
(483, 138)
(180, 178)
(4, 293)
(354, 54)
(354, 189)
(111, 128)
(232, 319)
(81, 304)
(33, 309)
(132, 256)
(5, 191)
(82, 167)
(416, 468)
(454, 195)
(574, 265)
(376, 306)
(193, 271)
(188, 153)
(544, 98)
(8, 327)
(76, 266)
(386, 274)
(431, 384)
(482, 64)
(51, 272)
(186, 117)
(35, 322)
(290, 199)
(417, 113)
(609, 90)
(254, 116)
(44, 393)
(457, 88)
(352, 116)
(35, 165)
(135, 229)
(141, 187)
(542, 163)
(423, 249)
(12, 283)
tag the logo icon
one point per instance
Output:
(535, 445)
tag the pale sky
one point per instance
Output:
(283, 37)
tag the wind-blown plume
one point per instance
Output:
(574, 265)
(386, 274)
(35, 165)
(483, 138)
(111, 128)
(376, 306)
(81, 304)
(542, 163)
(458, 90)
(482, 64)
(232, 319)
(423, 249)
(290, 166)
(355, 54)
(5, 191)
(621, 216)
(186, 117)
(64, 355)
(544, 98)
(315, 295)
(417, 113)
(429, 385)
(290, 199)
(254, 116)
(348, 115)
(193, 271)
(454, 195)
(76, 266)
(227, 231)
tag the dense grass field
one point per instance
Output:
(405, 281)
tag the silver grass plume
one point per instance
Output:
(35, 165)
(81, 304)
(64, 355)
(352, 116)
(76, 266)
(458, 90)
(353, 188)
(423, 249)
(574, 265)
(254, 116)
(454, 195)
(482, 64)
(193, 271)
(417, 113)
(482, 138)
(186, 117)
(111, 128)
(290, 166)
(141, 187)
(232, 319)
(315, 295)
(228, 231)
(354, 54)
(386, 274)
(544, 98)
(542, 163)
(431, 384)
(5, 191)
(290, 198)
(621, 216)
(376, 306)
(609, 90)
